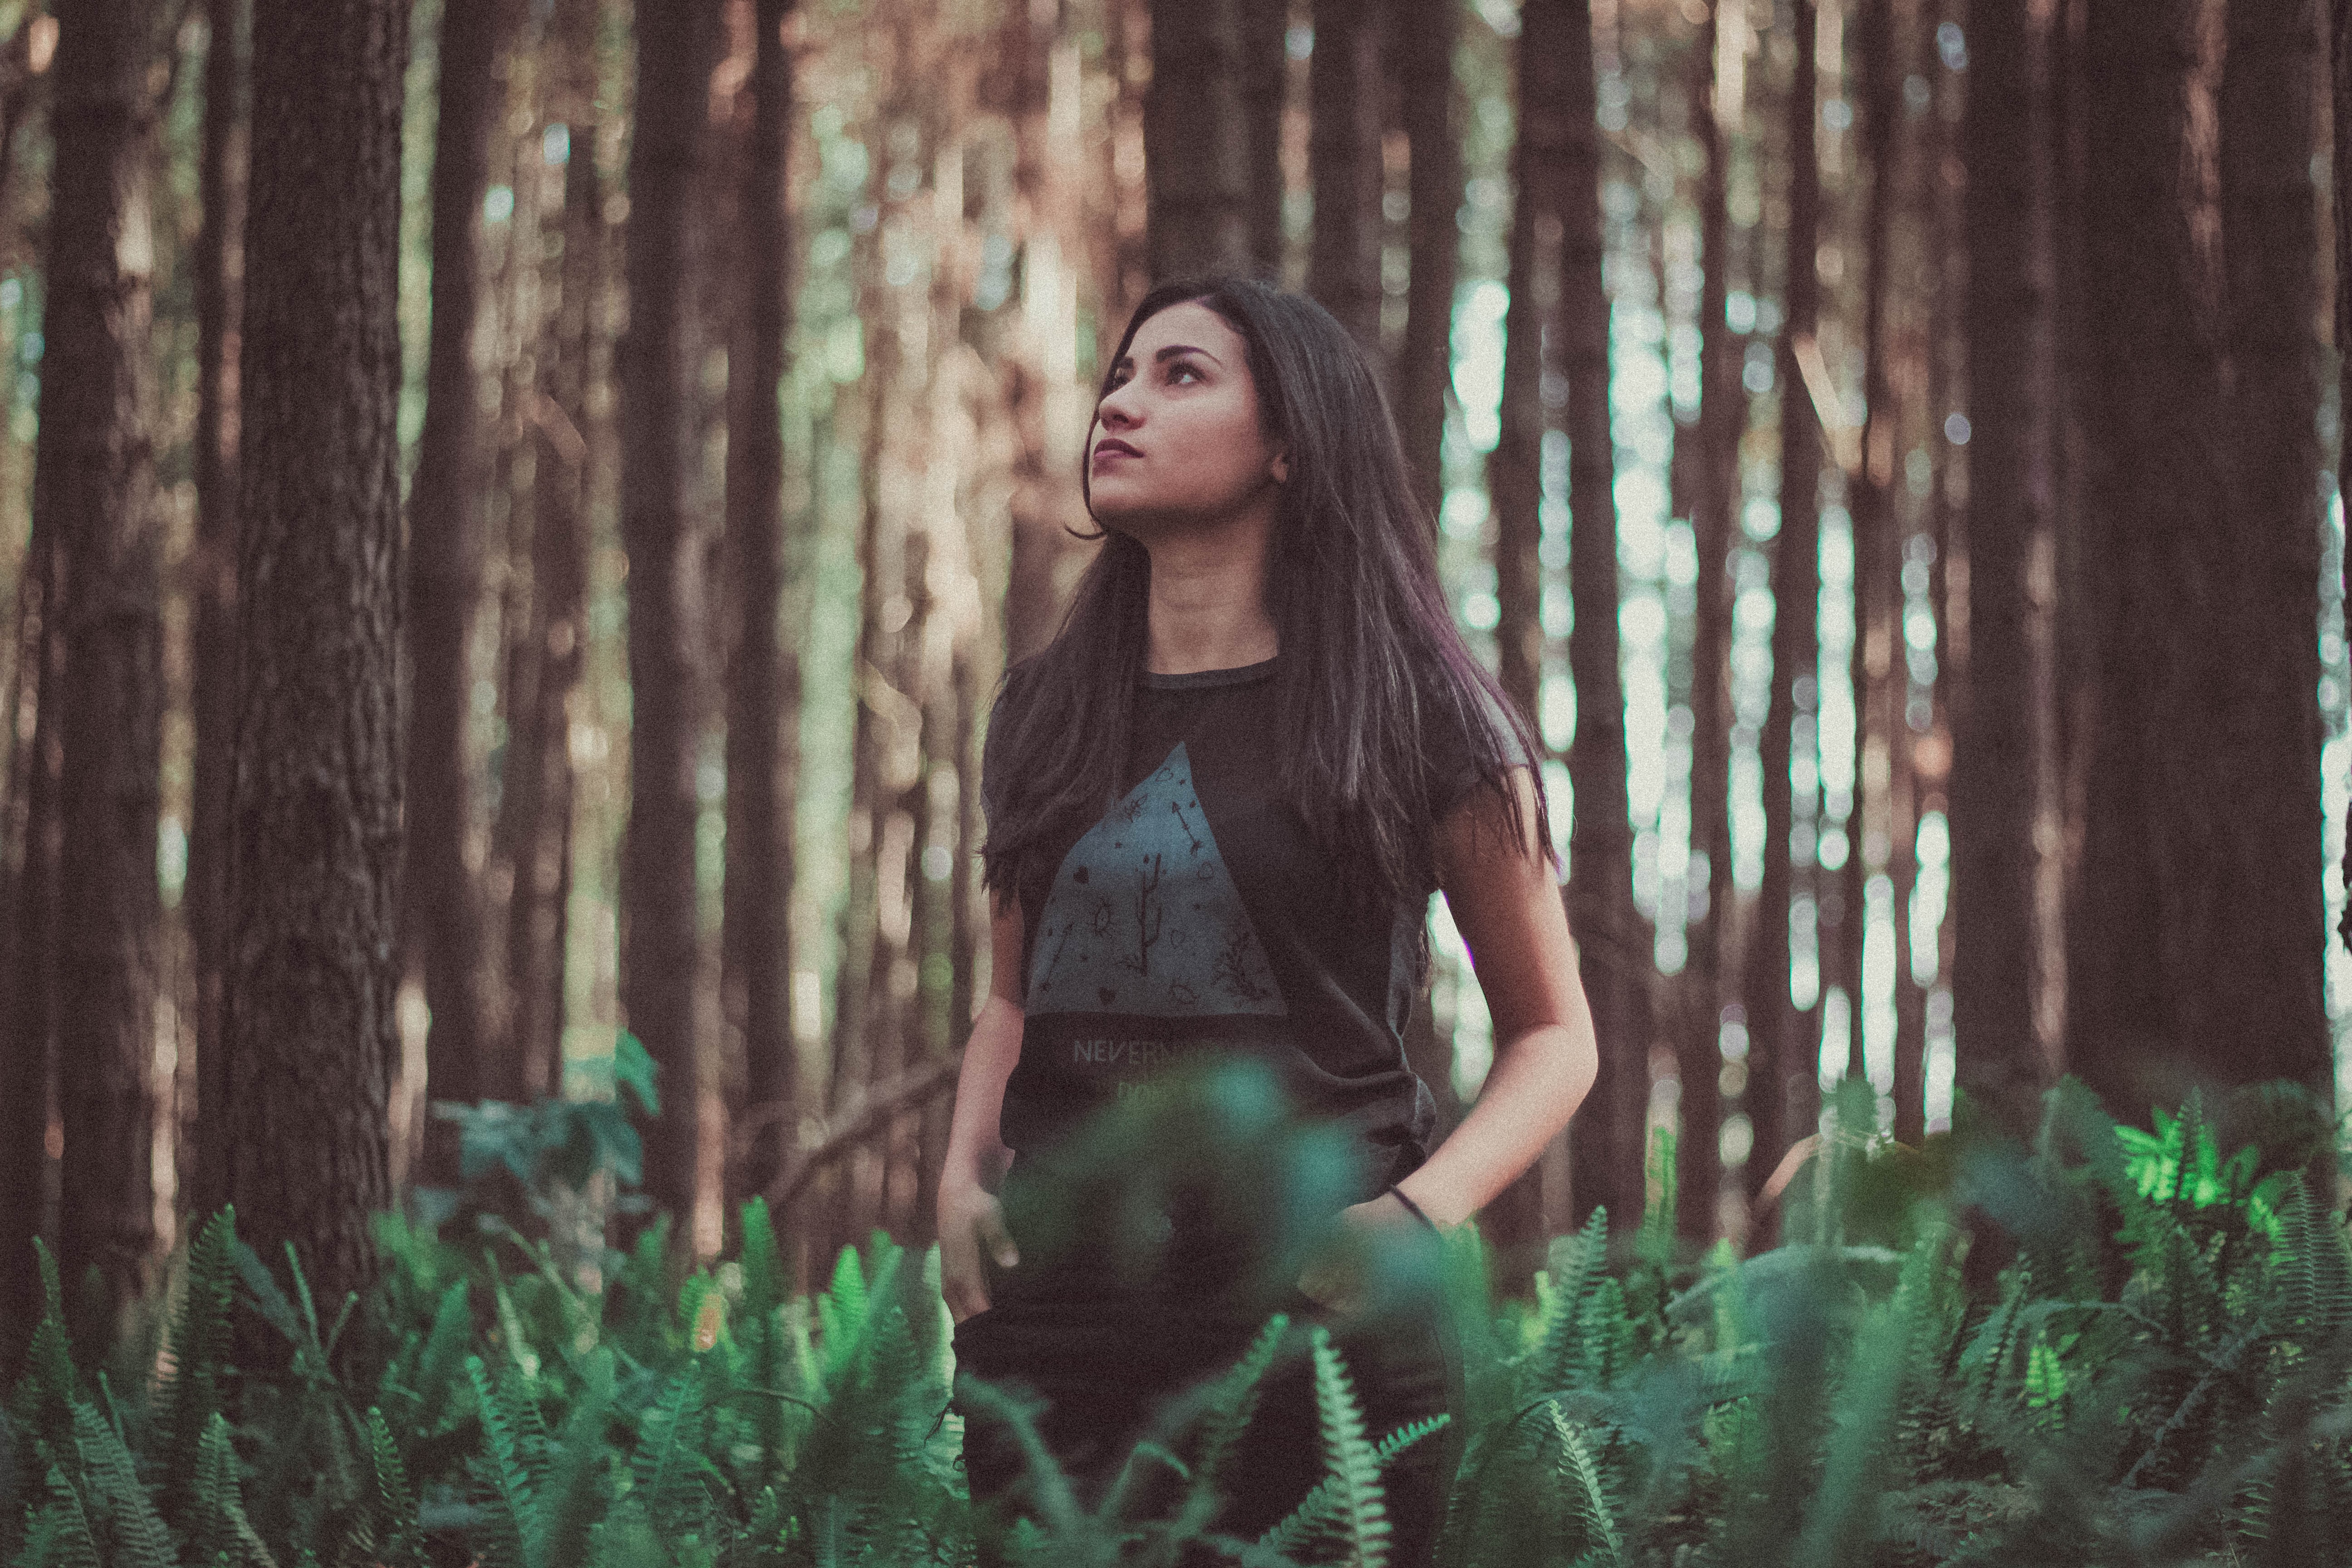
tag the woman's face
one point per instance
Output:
(1177, 438)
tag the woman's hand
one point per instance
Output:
(970, 1223)
(1337, 1276)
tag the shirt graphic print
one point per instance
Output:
(1144, 918)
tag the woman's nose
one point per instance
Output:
(1117, 412)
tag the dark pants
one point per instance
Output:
(1105, 1368)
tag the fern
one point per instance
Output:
(667, 1468)
(1234, 1402)
(46, 1397)
(199, 1346)
(1587, 1493)
(507, 1474)
(384, 1529)
(60, 1535)
(1321, 1505)
(135, 1531)
(223, 1532)
(1576, 1263)
(1363, 1523)
(1049, 1483)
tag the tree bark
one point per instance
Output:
(1422, 39)
(28, 1010)
(1264, 27)
(1039, 81)
(94, 473)
(442, 915)
(1514, 1221)
(538, 778)
(2271, 246)
(218, 265)
(2195, 940)
(1343, 160)
(1783, 1083)
(1196, 141)
(1877, 608)
(1723, 414)
(661, 950)
(1605, 1145)
(2339, 75)
(1999, 756)
(763, 682)
(315, 811)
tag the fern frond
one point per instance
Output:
(1363, 1522)
(137, 1533)
(1587, 1490)
(840, 1315)
(1576, 1265)
(1234, 1402)
(384, 1530)
(1321, 1504)
(61, 1536)
(668, 1466)
(1057, 1500)
(199, 1351)
(764, 1285)
(49, 1388)
(511, 1497)
(224, 1534)
(578, 1483)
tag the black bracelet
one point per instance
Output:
(1413, 1208)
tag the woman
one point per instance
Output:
(1218, 804)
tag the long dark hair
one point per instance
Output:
(1371, 667)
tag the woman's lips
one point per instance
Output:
(1105, 450)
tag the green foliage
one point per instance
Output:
(2119, 1347)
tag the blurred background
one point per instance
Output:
(1887, 447)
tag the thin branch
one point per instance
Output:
(866, 1115)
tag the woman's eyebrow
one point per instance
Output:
(1173, 350)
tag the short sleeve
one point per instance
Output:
(1452, 750)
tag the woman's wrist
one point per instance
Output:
(1419, 1214)
(967, 1167)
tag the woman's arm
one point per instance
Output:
(976, 1156)
(1507, 906)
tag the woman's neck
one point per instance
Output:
(1208, 608)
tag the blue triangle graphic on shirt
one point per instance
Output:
(1144, 918)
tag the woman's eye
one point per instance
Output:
(1181, 369)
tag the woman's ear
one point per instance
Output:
(1281, 467)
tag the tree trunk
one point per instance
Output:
(1870, 663)
(661, 952)
(218, 265)
(1042, 88)
(539, 781)
(1723, 415)
(763, 683)
(315, 811)
(94, 475)
(1514, 1221)
(442, 915)
(1998, 754)
(1196, 141)
(1783, 1083)
(2339, 75)
(1606, 1143)
(1423, 37)
(2195, 933)
(2270, 244)
(1264, 27)
(1343, 160)
(29, 1009)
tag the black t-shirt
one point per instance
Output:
(1199, 912)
